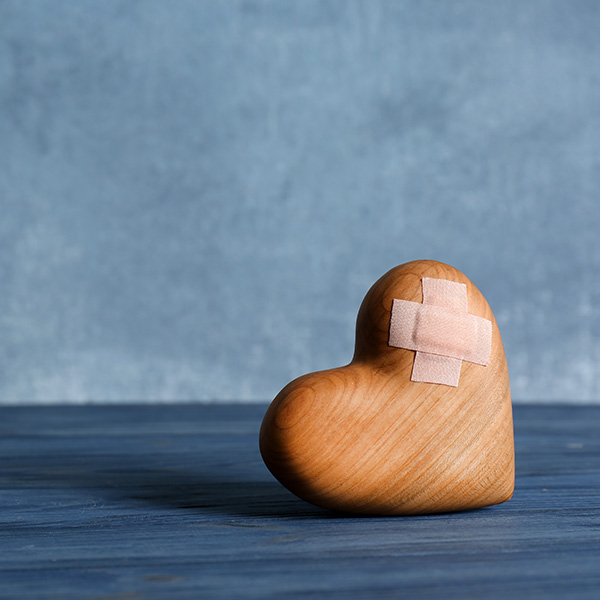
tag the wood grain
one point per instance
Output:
(174, 502)
(365, 439)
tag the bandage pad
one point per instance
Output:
(441, 331)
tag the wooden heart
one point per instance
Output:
(365, 439)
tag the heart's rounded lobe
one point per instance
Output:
(365, 439)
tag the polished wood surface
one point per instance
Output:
(365, 439)
(174, 502)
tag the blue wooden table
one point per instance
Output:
(134, 502)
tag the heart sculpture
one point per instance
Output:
(419, 422)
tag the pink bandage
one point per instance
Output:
(441, 331)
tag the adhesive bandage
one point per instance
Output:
(441, 331)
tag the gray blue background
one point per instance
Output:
(195, 195)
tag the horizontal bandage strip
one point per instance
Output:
(442, 331)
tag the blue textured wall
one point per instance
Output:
(195, 196)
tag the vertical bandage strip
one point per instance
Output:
(441, 331)
(433, 368)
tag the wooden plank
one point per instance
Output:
(174, 502)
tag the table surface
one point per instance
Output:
(133, 502)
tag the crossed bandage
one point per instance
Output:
(442, 332)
